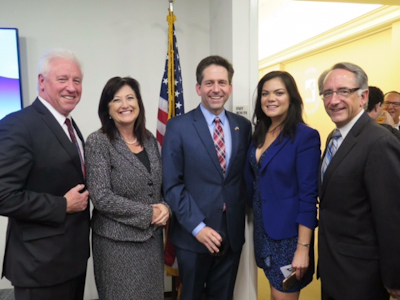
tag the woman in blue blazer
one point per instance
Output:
(281, 176)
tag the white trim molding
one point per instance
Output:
(378, 20)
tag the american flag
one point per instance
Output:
(170, 105)
(177, 107)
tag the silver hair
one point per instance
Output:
(52, 54)
(361, 76)
(321, 80)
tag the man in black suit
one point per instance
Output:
(42, 188)
(359, 227)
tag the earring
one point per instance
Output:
(109, 117)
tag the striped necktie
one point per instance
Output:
(330, 152)
(219, 143)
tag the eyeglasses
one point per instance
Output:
(394, 104)
(340, 92)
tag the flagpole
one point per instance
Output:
(171, 113)
(171, 104)
(171, 67)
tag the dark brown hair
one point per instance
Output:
(107, 124)
(294, 115)
(213, 60)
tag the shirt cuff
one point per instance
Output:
(198, 228)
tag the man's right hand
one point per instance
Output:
(210, 238)
(77, 201)
(387, 118)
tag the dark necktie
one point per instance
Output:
(330, 152)
(75, 141)
(219, 143)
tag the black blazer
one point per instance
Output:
(38, 165)
(359, 231)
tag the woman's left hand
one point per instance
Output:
(300, 261)
(161, 218)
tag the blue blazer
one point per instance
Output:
(288, 183)
(193, 183)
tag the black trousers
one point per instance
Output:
(70, 290)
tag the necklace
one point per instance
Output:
(131, 143)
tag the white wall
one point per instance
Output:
(111, 38)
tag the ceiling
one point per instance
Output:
(285, 23)
(381, 2)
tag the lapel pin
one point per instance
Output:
(236, 128)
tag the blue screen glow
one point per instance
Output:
(10, 85)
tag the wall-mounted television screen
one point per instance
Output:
(10, 72)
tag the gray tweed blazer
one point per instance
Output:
(121, 189)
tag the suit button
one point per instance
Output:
(150, 194)
(150, 183)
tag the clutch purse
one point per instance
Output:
(289, 281)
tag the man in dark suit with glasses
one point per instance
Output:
(359, 227)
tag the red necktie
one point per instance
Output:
(219, 143)
(74, 140)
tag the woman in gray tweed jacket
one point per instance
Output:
(124, 173)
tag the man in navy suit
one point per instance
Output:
(42, 188)
(206, 196)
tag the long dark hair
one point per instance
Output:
(107, 124)
(294, 115)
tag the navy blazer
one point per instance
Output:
(194, 186)
(288, 183)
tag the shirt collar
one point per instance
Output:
(59, 117)
(346, 128)
(211, 117)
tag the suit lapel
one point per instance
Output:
(79, 133)
(151, 151)
(123, 149)
(235, 137)
(348, 143)
(57, 130)
(201, 126)
(273, 150)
